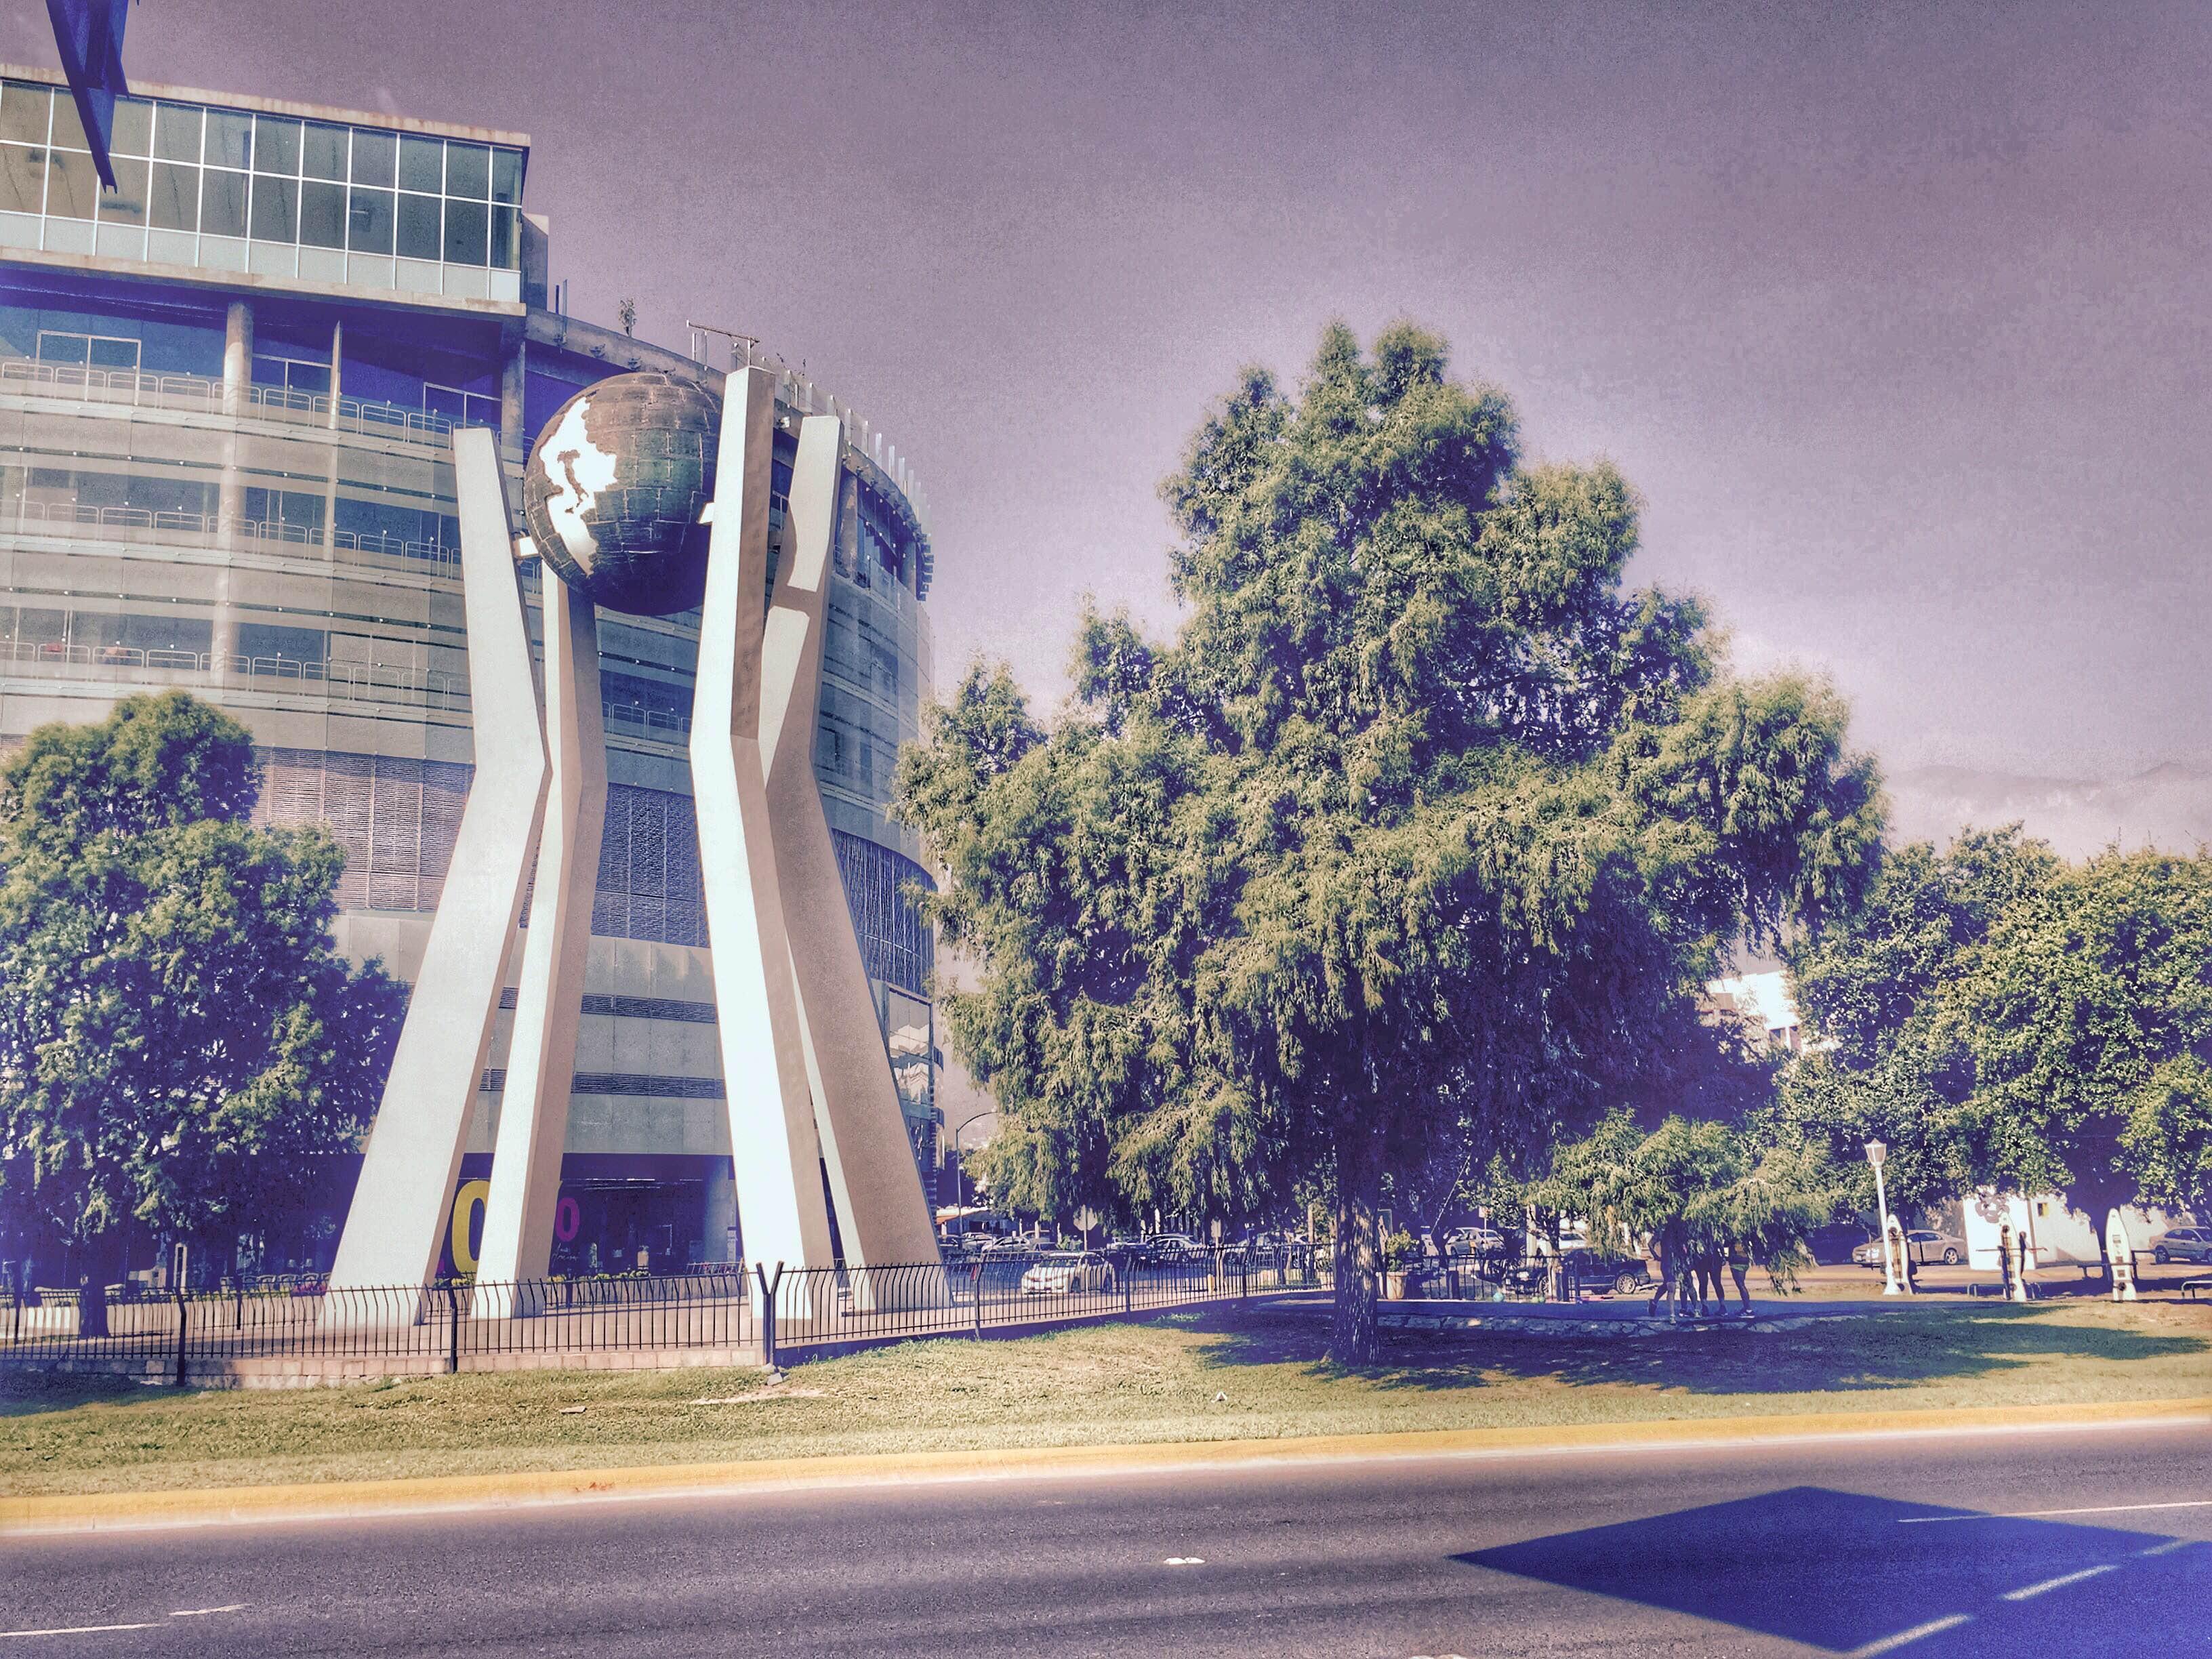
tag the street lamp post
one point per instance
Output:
(959, 1202)
(1877, 1154)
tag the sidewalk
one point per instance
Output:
(333, 1500)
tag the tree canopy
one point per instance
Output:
(2001, 1018)
(179, 1037)
(1422, 814)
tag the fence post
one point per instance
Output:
(977, 1301)
(1244, 1277)
(768, 1288)
(184, 1328)
(453, 1329)
(1127, 1273)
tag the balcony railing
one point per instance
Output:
(202, 529)
(192, 392)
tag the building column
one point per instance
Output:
(230, 502)
(512, 369)
(719, 1225)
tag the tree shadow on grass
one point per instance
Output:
(25, 1393)
(1871, 1354)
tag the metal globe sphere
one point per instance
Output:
(615, 487)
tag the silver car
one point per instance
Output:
(1070, 1274)
(2182, 1244)
(1922, 1244)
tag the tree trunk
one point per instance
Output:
(1353, 1338)
(103, 1261)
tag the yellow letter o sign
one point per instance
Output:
(468, 1204)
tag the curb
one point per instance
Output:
(355, 1499)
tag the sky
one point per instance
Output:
(1896, 316)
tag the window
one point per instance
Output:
(373, 158)
(222, 204)
(126, 203)
(276, 145)
(418, 227)
(369, 220)
(173, 200)
(72, 186)
(22, 178)
(323, 151)
(94, 350)
(322, 214)
(464, 233)
(229, 139)
(422, 164)
(133, 127)
(276, 208)
(23, 112)
(468, 171)
(177, 133)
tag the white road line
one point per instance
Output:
(1184, 1561)
(2169, 1546)
(75, 1630)
(2033, 1514)
(2059, 1582)
(1890, 1644)
(202, 1613)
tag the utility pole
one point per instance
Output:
(1877, 1154)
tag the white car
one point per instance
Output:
(1072, 1274)
(1475, 1241)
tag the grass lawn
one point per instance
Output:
(1213, 1374)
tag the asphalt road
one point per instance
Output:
(1922, 1547)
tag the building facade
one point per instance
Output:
(228, 390)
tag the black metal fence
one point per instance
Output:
(776, 1311)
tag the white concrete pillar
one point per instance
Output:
(230, 487)
(399, 1211)
(772, 1135)
(883, 1217)
(540, 1055)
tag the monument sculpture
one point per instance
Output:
(642, 495)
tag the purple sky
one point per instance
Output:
(1896, 316)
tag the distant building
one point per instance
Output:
(228, 390)
(1763, 1004)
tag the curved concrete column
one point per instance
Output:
(400, 1211)
(772, 1143)
(883, 1215)
(541, 1064)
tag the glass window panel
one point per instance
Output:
(222, 204)
(323, 155)
(418, 227)
(177, 133)
(174, 198)
(23, 113)
(126, 203)
(506, 175)
(134, 127)
(275, 209)
(276, 145)
(69, 131)
(229, 139)
(468, 171)
(108, 352)
(368, 219)
(72, 187)
(464, 233)
(372, 157)
(422, 163)
(504, 254)
(22, 177)
(322, 214)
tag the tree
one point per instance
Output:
(2088, 1014)
(1886, 1061)
(1419, 815)
(2003, 1019)
(178, 1038)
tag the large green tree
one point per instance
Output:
(1420, 814)
(179, 1040)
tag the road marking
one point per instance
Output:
(2169, 1546)
(202, 1613)
(1184, 1561)
(2034, 1514)
(2059, 1582)
(75, 1630)
(1890, 1644)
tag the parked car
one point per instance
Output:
(1016, 1245)
(1069, 1273)
(1922, 1244)
(1173, 1247)
(1623, 1274)
(2182, 1244)
(1475, 1241)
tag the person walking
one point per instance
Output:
(1738, 1267)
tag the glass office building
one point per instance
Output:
(228, 390)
